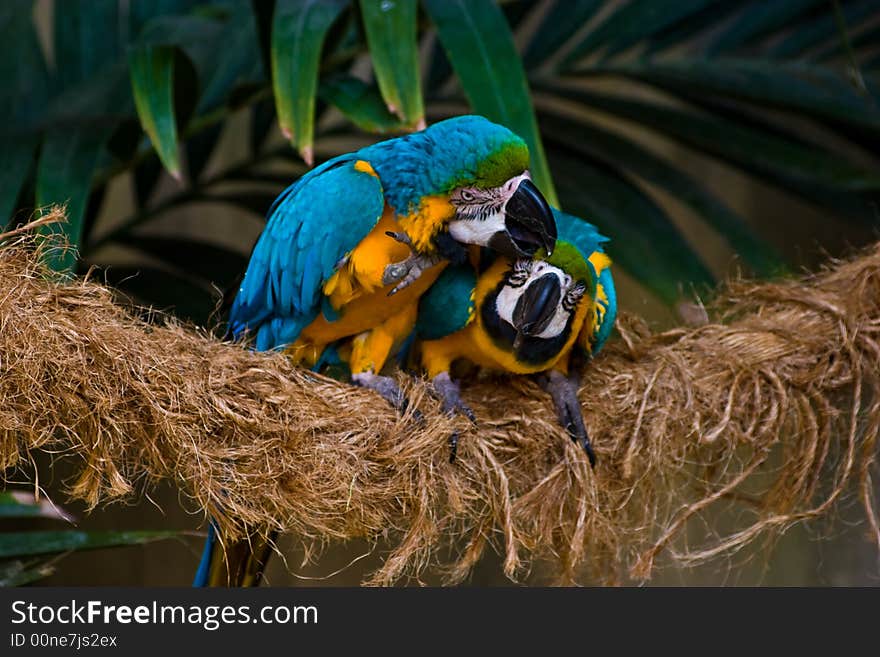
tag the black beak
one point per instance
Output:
(536, 306)
(529, 222)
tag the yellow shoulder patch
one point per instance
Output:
(600, 261)
(364, 167)
(428, 220)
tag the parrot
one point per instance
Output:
(350, 246)
(542, 316)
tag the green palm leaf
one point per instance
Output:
(479, 44)
(299, 28)
(392, 39)
(23, 544)
(616, 150)
(152, 80)
(645, 242)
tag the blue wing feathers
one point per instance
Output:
(446, 307)
(587, 238)
(311, 226)
(607, 324)
(579, 232)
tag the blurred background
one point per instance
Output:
(707, 138)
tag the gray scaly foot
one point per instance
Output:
(568, 409)
(406, 272)
(449, 393)
(388, 389)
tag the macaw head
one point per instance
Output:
(512, 218)
(541, 297)
(482, 169)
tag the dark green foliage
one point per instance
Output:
(715, 77)
(26, 556)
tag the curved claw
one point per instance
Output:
(395, 272)
(407, 271)
(390, 392)
(449, 393)
(453, 446)
(568, 409)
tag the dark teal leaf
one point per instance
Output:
(618, 151)
(643, 239)
(64, 175)
(102, 101)
(391, 36)
(754, 150)
(820, 29)
(21, 504)
(480, 47)
(16, 156)
(19, 573)
(238, 63)
(688, 32)
(200, 38)
(631, 33)
(152, 82)
(87, 38)
(24, 90)
(559, 24)
(299, 28)
(21, 544)
(811, 90)
(209, 262)
(360, 103)
(141, 12)
(633, 21)
(863, 41)
(760, 19)
(22, 100)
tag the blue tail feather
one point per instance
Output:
(201, 578)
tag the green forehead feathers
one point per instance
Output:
(503, 164)
(568, 258)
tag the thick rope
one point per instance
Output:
(773, 409)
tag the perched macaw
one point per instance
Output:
(541, 315)
(350, 246)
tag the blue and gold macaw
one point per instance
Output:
(542, 316)
(350, 247)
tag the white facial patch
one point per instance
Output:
(477, 231)
(480, 212)
(557, 324)
(509, 296)
(505, 302)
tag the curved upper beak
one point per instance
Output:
(529, 224)
(537, 305)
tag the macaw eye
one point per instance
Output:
(573, 296)
(520, 273)
(467, 196)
